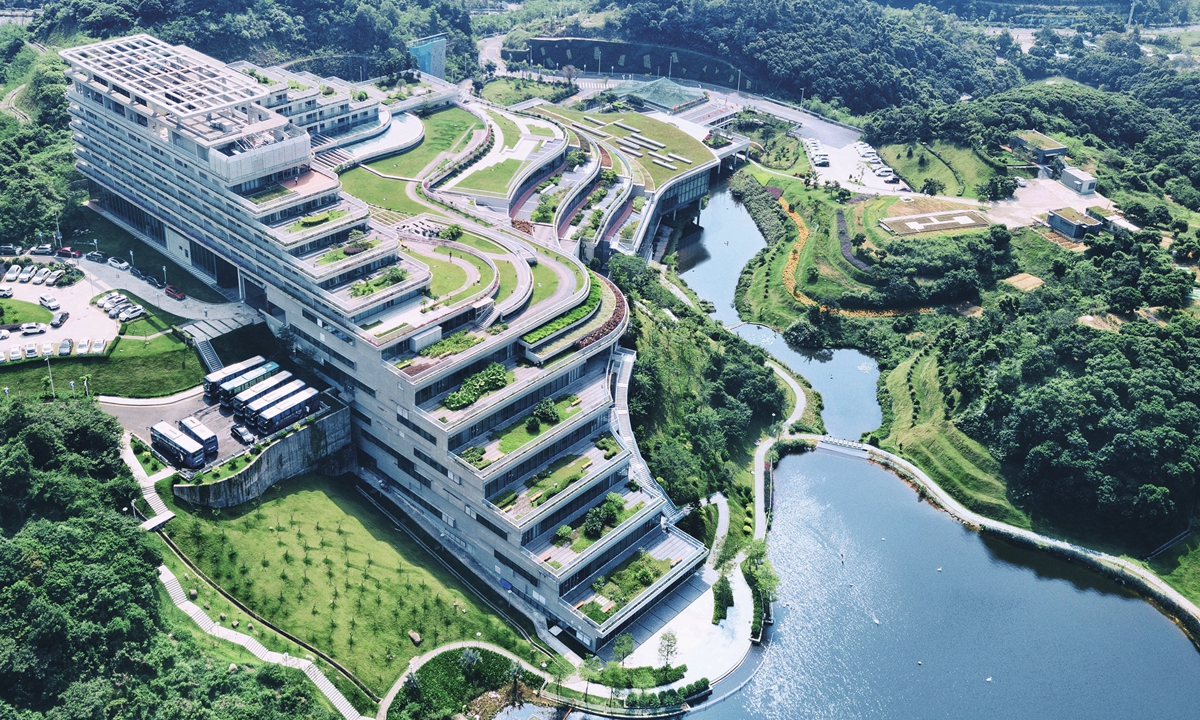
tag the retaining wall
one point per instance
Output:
(324, 446)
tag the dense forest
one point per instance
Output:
(270, 31)
(80, 619)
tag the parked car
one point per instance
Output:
(6, 292)
(40, 277)
(119, 308)
(47, 349)
(3, 336)
(118, 263)
(69, 252)
(27, 273)
(54, 277)
(174, 292)
(42, 250)
(242, 435)
(15, 354)
(96, 256)
(107, 303)
(33, 329)
(82, 346)
(64, 347)
(136, 273)
(59, 319)
(155, 282)
(131, 313)
(31, 350)
(101, 300)
(98, 346)
(13, 272)
(1021, 182)
(12, 250)
(49, 302)
(892, 179)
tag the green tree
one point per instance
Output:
(589, 672)
(668, 647)
(933, 186)
(623, 647)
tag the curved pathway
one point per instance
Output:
(760, 455)
(9, 105)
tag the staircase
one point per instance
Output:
(209, 356)
(333, 159)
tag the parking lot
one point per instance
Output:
(85, 321)
(138, 419)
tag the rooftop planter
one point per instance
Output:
(566, 320)
(311, 221)
(391, 276)
(338, 254)
(630, 579)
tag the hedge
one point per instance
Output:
(562, 321)
(492, 377)
(668, 698)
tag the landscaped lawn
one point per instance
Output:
(318, 560)
(480, 244)
(127, 348)
(509, 91)
(554, 479)
(116, 242)
(339, 254)
(579, 276)
(18, 311)
(447, 277)
(630, 579)
(271, 193)
(381, 192)
(581, 541)
(516, 435)
(508, 280)
(493, 179)
(170, 368)
(485, 271)
(970, 168)
(508, 128)
(540, 131)
(445, 131)
(545, 282)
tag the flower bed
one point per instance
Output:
(491, 378)
(613, 322)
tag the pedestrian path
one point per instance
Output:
(208, 625)
(210, 328)
(761, 454)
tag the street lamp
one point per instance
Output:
(52, 393)
(72, 388)
(131, 257)
(164, 274)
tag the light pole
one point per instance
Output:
(164, 275)
(72, 388)
(86, 390)
(52, 393)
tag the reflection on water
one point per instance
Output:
(714, 260)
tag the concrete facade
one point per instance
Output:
(1078, 180)
(187, 152)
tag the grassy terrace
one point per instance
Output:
(509, 131)
(311, 221)
(676, 141)
(518, 434)
(493, 179)
(18, 311)
(508, 280)
(447, 277)
(445, 131)
(381, 192)
(337, 255)
(315, 558)
(272, 193)
(580, 541)
(481, 244)
(545, 282)
(486, 274)
(550, 482)
(630, 579)
(970, 167)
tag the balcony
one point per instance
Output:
(346, 213)
(288, 192)
(330, 262)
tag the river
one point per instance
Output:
(891, 609)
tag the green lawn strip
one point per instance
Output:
(128, 348)
(339, 254)
(18, 311)
(145, 458)
(272, 193)
(516, 434)
(136, 374)
(510, 91)
(486, 274)
(957, 463)
(970, 167)
(545, 282)
(145, 325)
(554, 479)
(630, 579)
(451, 344)
(508, 128)
(562, 259)
(316, 219)
(492, 179)
(444, 131)
(539, 130)
(117, 242)
(368, 584)
(481, 244)
(380, 192)
(579, 312)
(447, 277)
(1180, 567)
(508, 280)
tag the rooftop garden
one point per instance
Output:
(356, 246)
(311, 221)
(261, 78)
(491, 378)
(602, 519)
(451, 344)
(296, 85)
(447, 277)
(545, 415)
(391, 276)
(510, 91)
(271, 193)
(492, 179)
(568, 318)
(545, 282)
(630, 579)
(445, 131)
(560, 475)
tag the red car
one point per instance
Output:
(68, 252)
(174, 292)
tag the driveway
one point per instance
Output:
(1038, 197)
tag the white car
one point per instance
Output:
(98, 346)
(54, 277)
(118, 263)
(131, 313)
(884, 172)
(6, 292)
(15, 354)
(105, 298)
(49, 302)
(31, 350)
(41, 276)
(33, 329)
(47, 349)
(13, 272)
(3, 336)
(82, 346)
(111, 302)
(27, 274)
(1021, 182)
(119, 308)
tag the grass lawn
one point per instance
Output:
(115, 241)
(445, 131)
(508, 280)
(562, 259)
(492, 179)
(508, 129)
(627, 581)
(339, 254)
(481, 244)
(381, 192)
(545, 282)
(582, 542)
(510, 91)
(316, 559)
(1180, 567)
(554, 479)
(956, 462)
(149, 463)
(485, 271)
(170, 368)
(127, 348)
(447, 277)
(540, 131)
(18, 311)
(516, 434)
(272, 193)
(970, 168)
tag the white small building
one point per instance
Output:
(1078, 180)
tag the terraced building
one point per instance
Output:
(481, 372)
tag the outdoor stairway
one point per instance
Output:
(332, 159)
(387, 217)
(209, 355)
(485, 321)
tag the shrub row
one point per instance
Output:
(764, 209)
(609, 325)
(492, 377)
(668, 698)
(578, 313)
(722, 599)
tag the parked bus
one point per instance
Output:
(252, 410)
(254, 392)
(284, 413)
(179, 448)
(201, 433)
(213, 380)
(232, 387)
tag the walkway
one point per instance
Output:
(146, 483)
(327, 688)
(764, 448)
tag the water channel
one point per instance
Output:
(890, 609)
